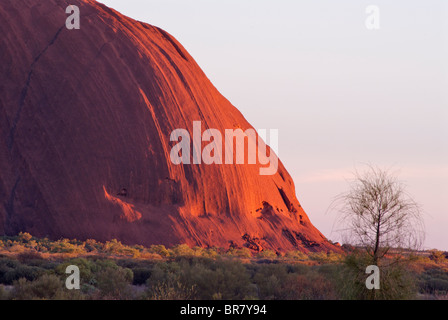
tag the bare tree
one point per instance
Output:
(378, 214)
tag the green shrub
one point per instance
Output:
(160, 250)
(311, 286)
(92, 245)
(437, 256)
(326, 257)
(270, 280)
(267, 254)
(114, 283)
(116, 247)
(66, 246)
(182, 250)
(29, 257)
(396, 281)
(171, 291)
(24, 236)
(87, 268)
(225, 278)
(11, 270)
(211, 253)
(240, 253)
(164, 272)
(433, 281)
(296, 255)
(45, 287)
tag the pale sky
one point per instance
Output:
(341, 95)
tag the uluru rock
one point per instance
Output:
(85, 120)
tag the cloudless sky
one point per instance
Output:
(341, 95)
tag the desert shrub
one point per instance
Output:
(296, 255)
(128, 263)
(267, 254)
(171, 291)
(396, 280)
(29, 257)
(164, 282)
(164, 272)
(211, 253)
(116, 247)
(397, 283)
(24, 236)
(23, 271)
(150, 256)
(240, 252)
(297, 268)
(45, 264)
(437, 256)
(101, 264)
(270, 287)
(420, 262)
(45, 287)
(86, 267)
(66, 246)
(7, 265)
(205, 252)
(199, 278)
(199, 251)
(160, 250)
(225, 278)
(435, 286)
(326, 257)
(11, 270)
(101, 278)
(311, 286)
(114, 283)
(182, 250)
(270, 280)
(16, 247)
(433, 281)
(92, 245)
(329, 270)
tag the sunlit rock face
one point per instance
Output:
(85, 120)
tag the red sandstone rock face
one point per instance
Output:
(85, 119)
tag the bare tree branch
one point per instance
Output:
(377, 214)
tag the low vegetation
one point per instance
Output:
(33, 268)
